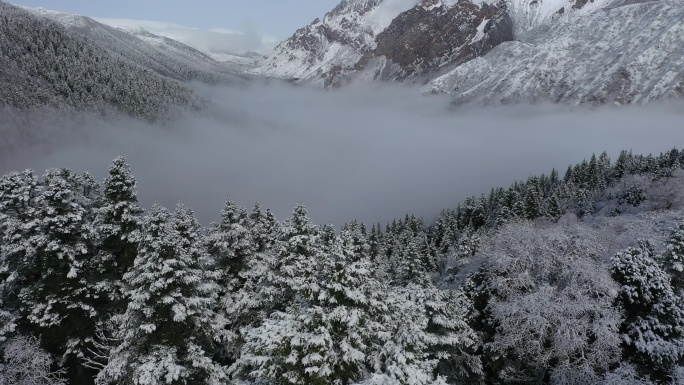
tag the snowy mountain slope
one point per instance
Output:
(337, 41)
(626, 54)
(236, 49)
(402, 39)
(45, 64)
(162, 55)
(528, 14)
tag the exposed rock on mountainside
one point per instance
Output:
(497, 51)
(43, 64)
(626, 54)
(388, 42)
(435, 34)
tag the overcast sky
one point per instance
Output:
(274, 19)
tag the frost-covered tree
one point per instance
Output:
(653, 327)
(427, 339)
(264, 228)
(543, 307)
(169, 329)
(58, 303)
(259, 292)
(412, 259)
(18, 210)
(231, 244)
(117, 223)
(25, 363)
(324, 339)
(673, 258)
(297, 260)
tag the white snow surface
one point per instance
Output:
(480, 31)
(381, 17)
(68, 20)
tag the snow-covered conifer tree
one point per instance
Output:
(59, 301)
(413, 259)
(170, 328)
(673, 258)
(298, 259)
(230, 243)
(326, 338)
(427, 340)
(118, 225)
(653, 328)
(18, 210)
(263, 228)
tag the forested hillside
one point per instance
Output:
(44, 64)
(165, 56)
(555, 280)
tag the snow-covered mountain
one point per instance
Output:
(496, 51)
(165, 56)
(336, 41)
(241, 50)
(410, 37)
(624, 54)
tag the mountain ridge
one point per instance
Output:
(165, 56)
(497, 52)
(46, 64)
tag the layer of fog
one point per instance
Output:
(367, 153)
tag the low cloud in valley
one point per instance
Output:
(372, 153)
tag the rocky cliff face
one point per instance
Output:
(434, 34)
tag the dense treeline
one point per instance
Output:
(95, 290)
(43, 64)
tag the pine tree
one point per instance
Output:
(59, 302)
(413, 259)
(674, 257)
(18, 211)
(260, 292)
(169, 329)
(298, 258)
(118, 224)
(263, 228)
(554, 210)
(325, 339)
(231, 244)
(653, 328)
(427, 340)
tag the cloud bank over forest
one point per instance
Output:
(371, 153)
